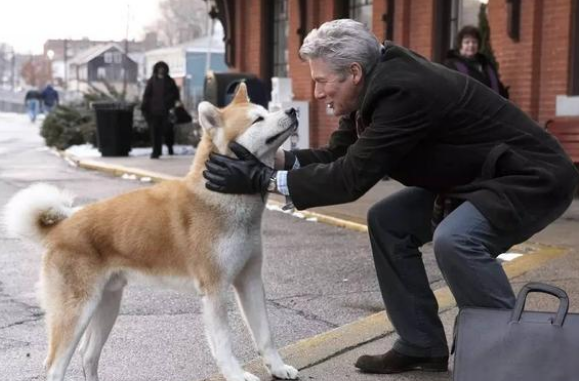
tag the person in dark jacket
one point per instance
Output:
(467, 59)
(160, 96)
(481, 176)
(32, 101)
(50, 98)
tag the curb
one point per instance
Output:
(117, 170)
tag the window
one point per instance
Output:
(454, 22)
(361, 10)
(101, 73)
(574, 38)
(117, 57)
(280, 37)
(444, 27)
(109, 57)
(389, 18)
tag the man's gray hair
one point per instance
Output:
(340, 43)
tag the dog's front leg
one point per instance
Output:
(251, 299)
(218, 335)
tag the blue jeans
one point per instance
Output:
(32, 107)
(465, 245)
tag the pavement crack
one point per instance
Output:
(21, 322)
(305, 315)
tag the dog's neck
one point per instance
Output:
(204, 149)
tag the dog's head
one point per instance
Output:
(251, 125)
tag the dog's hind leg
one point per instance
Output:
(251, 299)
(69, 308)
(100, 327)
(219, 337)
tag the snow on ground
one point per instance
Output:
(88, 151)
(12, 118)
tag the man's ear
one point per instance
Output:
(209, 116)
(357, 72)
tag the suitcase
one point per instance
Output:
(517, 345)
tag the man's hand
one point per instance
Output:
(246, 175)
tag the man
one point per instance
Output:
(32, 101)
(481, 176)
(49, 98)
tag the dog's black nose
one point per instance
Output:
(291, 112)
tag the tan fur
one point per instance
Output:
(166, 231)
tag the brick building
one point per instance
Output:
(535, 42)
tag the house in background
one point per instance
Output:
(61, 51)
(536, 43)
(189, 62)
(102, 64)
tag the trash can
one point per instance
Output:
(114, 121)
(219, 88)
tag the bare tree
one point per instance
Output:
(36, 71)
(181, 21)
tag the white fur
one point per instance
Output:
(22, 212)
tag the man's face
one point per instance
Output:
(161, 72)
(340, 93)
(469, 47)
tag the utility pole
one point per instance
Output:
(13, 70)
(126, 57)
(65, 84)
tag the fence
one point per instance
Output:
(11, 101)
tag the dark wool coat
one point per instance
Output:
(160, 94)
(435, 128)
(479, 68)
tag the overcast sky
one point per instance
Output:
(27, 24)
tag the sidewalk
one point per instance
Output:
(552, 259)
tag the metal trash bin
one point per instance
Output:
(114, 122)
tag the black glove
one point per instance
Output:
(246, 175)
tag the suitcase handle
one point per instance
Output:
(547, 289)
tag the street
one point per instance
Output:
(317, 278)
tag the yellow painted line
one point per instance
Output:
(120, 170)
(334, 221)
(115, 169)
(319, 348)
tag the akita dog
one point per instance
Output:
(176, 232)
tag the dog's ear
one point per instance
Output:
(241, 94)
(209, 116)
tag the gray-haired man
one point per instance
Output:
(481, 176)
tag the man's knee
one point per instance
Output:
(448, 249)
(378, 217)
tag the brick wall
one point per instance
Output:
(420, 33)
(536, 67)
(554, 77)
(250, 24)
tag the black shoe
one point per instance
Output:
(155, 156)
(394, 362)
(170, 149)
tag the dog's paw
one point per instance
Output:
(285, 372)
(250, 377)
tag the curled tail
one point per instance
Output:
(32, 212)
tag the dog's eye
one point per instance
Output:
(259, 119)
